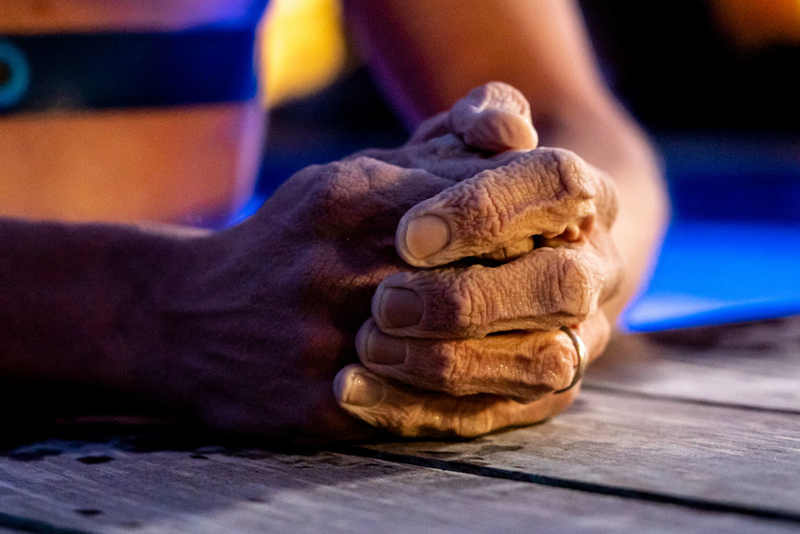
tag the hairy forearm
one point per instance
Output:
(75, 299)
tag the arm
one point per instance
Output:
(427, 54)
(77, 301)
(248, 328)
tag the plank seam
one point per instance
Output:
(25, 524)
(684, 400)
(587, 487)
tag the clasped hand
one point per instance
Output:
(445, 268)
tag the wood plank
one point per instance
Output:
(740, 458)
(754, 364)
(111, 487)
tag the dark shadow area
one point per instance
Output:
(679, 69)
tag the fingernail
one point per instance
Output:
(360, 390)
(427, 235)
(385, 349)
(400, 307)
(506, 130)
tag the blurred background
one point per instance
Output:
(716, 84)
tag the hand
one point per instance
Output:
(256, 321)
(428, 364)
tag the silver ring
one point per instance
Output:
(583, 357)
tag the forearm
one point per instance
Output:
(76, 301)
(429, 54)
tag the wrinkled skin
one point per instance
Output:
(405, 260)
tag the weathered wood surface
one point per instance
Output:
(687, 431)
(110, 487)
(742, 458)
(763, 355)
(755, 364)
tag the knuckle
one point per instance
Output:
(343, 193)
(572, 292)
(530, 372)
(439, 367)
(400, 419)
(422, 421)
(460, 313)
(337, 180)
(556, 364)
(609, 200)
(454, 302)
(465, 420)
(472, 423)
(480, 96)
(575, 178)
(480, 213)
(471, 308)
(332, 190)
(507, 97)
(529, 386)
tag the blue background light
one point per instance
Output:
(732, 252)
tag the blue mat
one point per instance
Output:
(720, 272)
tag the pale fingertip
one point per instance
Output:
(424, 236)
(514, 131)
(498, 130)
(355, 387)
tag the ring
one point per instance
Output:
(583, 357)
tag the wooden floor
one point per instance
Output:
(686, 431)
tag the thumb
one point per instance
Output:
(494, 117)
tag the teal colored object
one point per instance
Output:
(16, 75)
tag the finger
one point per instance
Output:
(413, 412)
(544, 290)
(523, 366)
(360, 196)
(494, 117)
(446, 156)
(545, 192)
